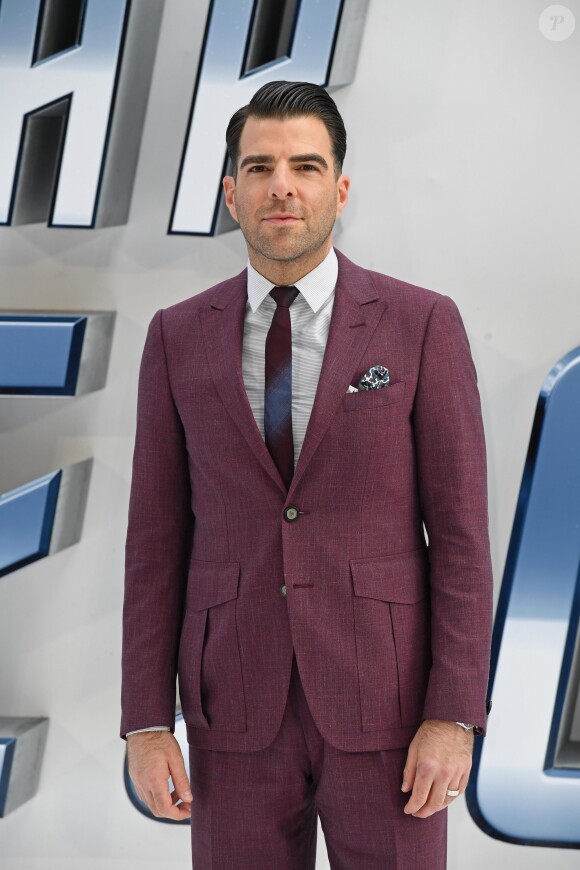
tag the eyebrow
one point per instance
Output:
(297, 158)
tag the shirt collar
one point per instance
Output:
(316, 286)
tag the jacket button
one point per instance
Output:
(291, 513)
(283, 591)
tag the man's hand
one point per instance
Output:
(439, 758)
(154, 756)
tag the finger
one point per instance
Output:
(179, 777)
(460, 787)
(463, 781)
(175, 799)
(457, 792)
(421, 788)
(178, 813)
(162, 797)
(145, 795)
(437, 799)
(410, 770)
(438, 796)
(163, 807)
(149, 799)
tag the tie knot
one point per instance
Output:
(284, 296)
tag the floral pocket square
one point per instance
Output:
(376, 377)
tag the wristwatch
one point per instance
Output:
(465, 726)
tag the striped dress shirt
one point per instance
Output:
(310, 315)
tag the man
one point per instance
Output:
(299, 427)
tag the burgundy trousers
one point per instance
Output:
(259, 810)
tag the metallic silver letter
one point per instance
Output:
(22, 743)
(60, 71)
(525, 786)
(322, 39)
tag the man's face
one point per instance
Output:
(286, 196)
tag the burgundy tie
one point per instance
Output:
(278, 384)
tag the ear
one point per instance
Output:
(229, 185)
(342, 186)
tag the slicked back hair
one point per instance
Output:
(280, 100)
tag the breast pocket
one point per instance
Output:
(210, 672)
(366, 400)
(392, 619)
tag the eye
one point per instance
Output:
(257, 168)
(308, 167)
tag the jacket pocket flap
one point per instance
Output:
(401, 578)
(373, 398)
(211, 583)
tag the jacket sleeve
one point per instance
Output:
(452, 479)
(157, 549)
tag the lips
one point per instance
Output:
(281, 218)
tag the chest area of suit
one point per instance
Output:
(209, 385)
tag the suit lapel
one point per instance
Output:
(356, 312)
(223, 327)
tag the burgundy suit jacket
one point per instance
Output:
(387, 630)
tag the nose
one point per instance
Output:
(282, 184)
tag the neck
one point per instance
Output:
(284, 273)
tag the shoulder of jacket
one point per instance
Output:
(395, 290)
(204, 299)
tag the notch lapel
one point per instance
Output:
(356, 312)
(223, 327)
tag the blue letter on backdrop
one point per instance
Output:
(322, 40)
(49, 355)
(525, 786)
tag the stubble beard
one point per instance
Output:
(286, 245)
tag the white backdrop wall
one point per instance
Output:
(464, 136)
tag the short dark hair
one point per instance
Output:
(282, 100)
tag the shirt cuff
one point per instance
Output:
(151, 728)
